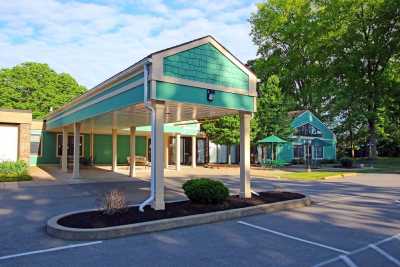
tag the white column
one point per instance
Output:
(245, 190)
(194, 152)
(114, 150)
(91, 146)
(166, 151)
(178, 152)
(64, 155)
(157, 156)
(132, 165)
(77, 140)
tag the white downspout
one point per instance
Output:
(153, 149)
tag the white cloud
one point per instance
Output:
(93, 41)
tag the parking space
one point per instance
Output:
(352, 223)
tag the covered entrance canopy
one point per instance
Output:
(192, 81)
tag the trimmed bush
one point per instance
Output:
(346, 162)
(206, 191)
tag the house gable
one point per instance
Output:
(206, 64)
(309, 118)
(203, 63)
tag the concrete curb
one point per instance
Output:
(56, 230)
(341, 175)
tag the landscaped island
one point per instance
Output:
(209, 201)
(99, 219)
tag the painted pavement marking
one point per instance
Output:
(293, 237)
(372, 245)
(348, 261)
(385, 254)
(49, 250)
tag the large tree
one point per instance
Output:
(332, 57)
(36, 87)
(272, 110)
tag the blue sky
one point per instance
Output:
(93, 40)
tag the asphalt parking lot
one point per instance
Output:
(353, 222)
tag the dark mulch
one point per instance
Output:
(97, 219)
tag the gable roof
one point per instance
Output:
(307, 117)
(138, 66)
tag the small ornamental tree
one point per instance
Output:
(225, 131)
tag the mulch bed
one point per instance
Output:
(97, 219)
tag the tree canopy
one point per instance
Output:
(272, 110)
(337, 58)
(36, 87)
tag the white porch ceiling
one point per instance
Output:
(138, 115)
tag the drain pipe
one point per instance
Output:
(153, 120)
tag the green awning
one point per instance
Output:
(271, 139)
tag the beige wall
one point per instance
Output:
(15, 116)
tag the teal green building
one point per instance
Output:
(310, 137)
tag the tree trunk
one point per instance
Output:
(351, 141)
(229, 154)
(372, 139)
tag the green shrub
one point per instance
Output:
(346, 162)
(14, 168)
(206, 191)
(11, 171)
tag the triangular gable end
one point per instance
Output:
(308, 117)
(203, 62)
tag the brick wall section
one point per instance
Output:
(24, 141)
(206, 64)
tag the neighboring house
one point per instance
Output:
(308, 132)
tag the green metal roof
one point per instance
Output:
(272, 139)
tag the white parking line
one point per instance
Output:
(293, 237)
(372, 245)
(49, 250)
(385, 254)
(348, 261)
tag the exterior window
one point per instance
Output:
(298, 151)
(70, 149)
(319, 152)
(36, 144)
(308, 130)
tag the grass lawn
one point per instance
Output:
(15, 178)
(389, 165)
(308, 176)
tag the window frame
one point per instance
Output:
(82, 144)
(40, 145)
(310, 128)
(294, 148)
(315, 152)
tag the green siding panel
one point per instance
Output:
(105, 92)
(206, 64)
(125, 99)
(49, 146)
(102, 149)
(195, 95)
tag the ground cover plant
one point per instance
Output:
(11, 171)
